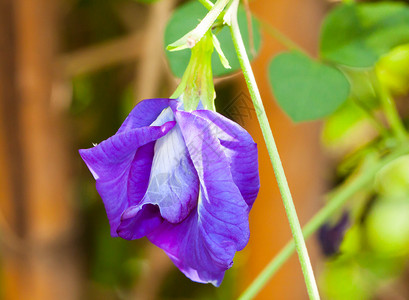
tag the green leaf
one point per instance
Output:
(305, 89)
(185, 18)
(358, 34)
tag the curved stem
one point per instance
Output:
(207, 4)
(281, 37)
(336, 201)
(190, 39)
(391, 113)
(274, 156)
(371, 117)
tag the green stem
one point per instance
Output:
(274, 156)
(371, 117)
(207, 4)
(190, 39)
(391, 112)
(281, 37)
(336, 201)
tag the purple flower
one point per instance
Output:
(185, 180)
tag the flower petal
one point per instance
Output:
(139, 171)
(188, 249)
(138, 221)
(173, 186)
(118, 158)
(241, 151)
(144, 114)
(203, 245)
(142, 163)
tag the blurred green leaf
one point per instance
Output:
(380, 268)
(341, 123)
(358, 34)
(109, 259)
(344, 279)
(185, 18)
(348, 127)
(306, 89)
(82, 94)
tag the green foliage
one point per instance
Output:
(82, 94)
(185, 18)
(393, 180)
(110, 260)
(352, 242)
(348, 126)
(340, 125)
(358, 34)
(393, 70)
(343, 279)
(376, 248)
(90, 22)
(353, 35)
(306, 89)
(372, 254)
(358, 275)
(186, 290)
(363, 90)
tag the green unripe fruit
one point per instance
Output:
(388, 228)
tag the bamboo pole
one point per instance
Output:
(37, 201)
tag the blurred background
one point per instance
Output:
(70, 72)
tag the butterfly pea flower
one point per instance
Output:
(185, 180)
(182, 175)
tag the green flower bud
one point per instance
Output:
(393, 70)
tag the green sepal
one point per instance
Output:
(219, 51)
(197, 81)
